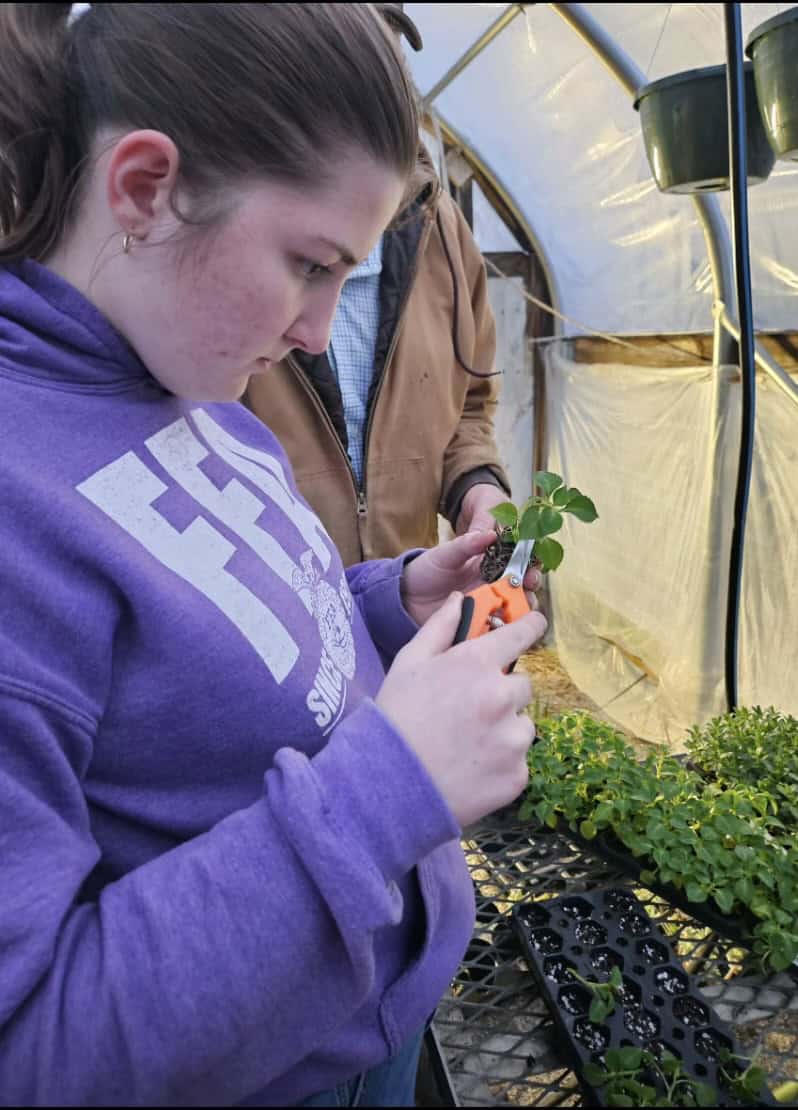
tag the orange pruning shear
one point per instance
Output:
(497, 603)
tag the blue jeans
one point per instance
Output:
(390, 1084)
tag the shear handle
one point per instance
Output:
(501, 598)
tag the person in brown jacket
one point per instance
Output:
(423, 442)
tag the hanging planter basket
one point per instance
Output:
(685, 123)
(773, 46)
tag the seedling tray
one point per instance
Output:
(658, 1010)
(738, 928)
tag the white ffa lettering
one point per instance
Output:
(266, 473)
(180, 453)
(125, 491)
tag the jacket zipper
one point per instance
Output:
(392, 347)
(314, 398)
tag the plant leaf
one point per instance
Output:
(582, 508)
(594, 1075)
(755, 1080)
(695, 893)
(563, 495)
(725, 899)
(549, 552)
(529, 524)
(505, 513)
(705, 1095)
(631, 1058)
(539, 521)
(550, 522)
(547, 481)
(599, 1008)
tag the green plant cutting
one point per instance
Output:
(542, 515)
(713, 842)
(746, 1084)
(605, 995)
(624, 1080)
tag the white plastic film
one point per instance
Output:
(639, 602)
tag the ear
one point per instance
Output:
(142, 174)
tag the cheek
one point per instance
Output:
(239, 318)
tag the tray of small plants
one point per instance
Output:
(636, 1032)
(720, 845)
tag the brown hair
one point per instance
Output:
(243, 90)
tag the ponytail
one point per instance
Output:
(279, 91)
(38, 155)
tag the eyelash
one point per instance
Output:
(311, 270)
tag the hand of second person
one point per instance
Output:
(475, 514)
(429, 579)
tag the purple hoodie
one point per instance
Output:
(224, 876)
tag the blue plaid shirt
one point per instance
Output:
(353, 337)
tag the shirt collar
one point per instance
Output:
(371, 265)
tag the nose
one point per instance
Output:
(311, 329)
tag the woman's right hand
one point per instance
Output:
(460, 713)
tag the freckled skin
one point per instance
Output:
(206, 308)
(201, 327)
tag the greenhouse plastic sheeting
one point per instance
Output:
(639, 602)
(563, 137)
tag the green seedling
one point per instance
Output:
(542, 515)
(605, 995)
(746, 1085)
(623, 1078)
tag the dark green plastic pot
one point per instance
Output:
(685, 123)
(773, 46)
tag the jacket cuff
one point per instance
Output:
(482, 475)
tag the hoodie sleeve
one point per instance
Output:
(181, 984)
(473, 446)
(376, 589)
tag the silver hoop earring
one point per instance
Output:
(127, 239)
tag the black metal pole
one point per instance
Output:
(735, 95)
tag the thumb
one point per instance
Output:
(483, 521)
(437, 634)
(455, 553)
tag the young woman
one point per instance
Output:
(229, 859)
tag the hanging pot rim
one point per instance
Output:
(780, 20)
(685, 76)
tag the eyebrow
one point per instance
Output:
(346, 255)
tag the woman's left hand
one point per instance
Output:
(431, 577)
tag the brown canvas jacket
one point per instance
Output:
(429, 433)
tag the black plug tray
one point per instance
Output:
(659, 1011)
